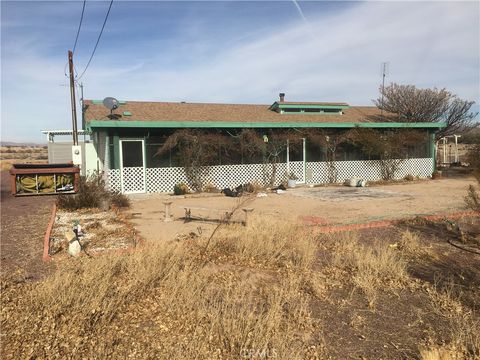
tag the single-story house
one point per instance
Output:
(126, 142)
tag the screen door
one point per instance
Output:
(132, 162)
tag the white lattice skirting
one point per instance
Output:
(221, 176)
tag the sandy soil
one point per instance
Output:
(320, 205)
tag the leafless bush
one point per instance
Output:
(330, 141)
(92, 191)
(390, 147)
(472, 199)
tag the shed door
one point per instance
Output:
(132, 162)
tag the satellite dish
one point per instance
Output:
(110, 103)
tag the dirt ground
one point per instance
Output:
(318, 205)
(435, 304)
(24, 221)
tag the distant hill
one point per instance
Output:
(12, 143)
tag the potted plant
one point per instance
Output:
(292, 180)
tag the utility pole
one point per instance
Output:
(72, 98)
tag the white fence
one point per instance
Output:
(221, 176)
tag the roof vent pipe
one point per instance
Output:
(282, 97)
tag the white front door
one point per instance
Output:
(132, 166)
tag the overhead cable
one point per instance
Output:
(98, 40)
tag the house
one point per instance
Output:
(127, 139)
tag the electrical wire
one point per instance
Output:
(76, 38)
(98, 40)
(65, 70)
(79, 26)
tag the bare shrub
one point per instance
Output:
(472, 199)
(330, 140)
(119, 200)
(390, 147)
(92, 191)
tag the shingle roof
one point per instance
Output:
(203, 112)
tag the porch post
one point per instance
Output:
(288, 157)
(304, 160)
(433, 149)
(116, 151)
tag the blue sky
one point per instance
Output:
(239, 52)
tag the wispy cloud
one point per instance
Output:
(226, 60)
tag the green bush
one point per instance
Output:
(92, 191)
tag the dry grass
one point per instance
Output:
(275, 244)
(411, 246)
(463, 325)
(371, 267)
(249, 294)
(208, 303)
(7, 164)
(22, 154)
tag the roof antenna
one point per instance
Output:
(385, 72)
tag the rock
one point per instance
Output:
(352, 182)
(74, 248)
(70, 235)
(355, 182)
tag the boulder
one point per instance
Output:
(74, 248)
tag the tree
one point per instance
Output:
(196, 151)
(391, 146)
(412, 104)
(329, 140)
(271, 144)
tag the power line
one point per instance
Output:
(98, 40)
(76, 38)
(79, 26)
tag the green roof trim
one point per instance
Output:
(279, 105)
(246, 124)
(302, 106)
